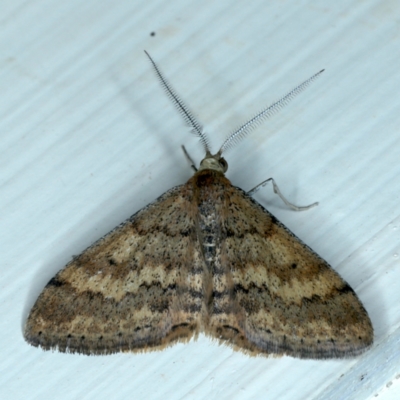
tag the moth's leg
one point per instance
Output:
(278, 192)
(191, 162)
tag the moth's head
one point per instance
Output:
(214, 162)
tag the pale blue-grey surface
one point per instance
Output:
(88, 137)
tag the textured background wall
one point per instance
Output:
(88, 138)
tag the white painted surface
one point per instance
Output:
(88, 138)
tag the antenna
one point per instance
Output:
(183, 109)
(247, 127)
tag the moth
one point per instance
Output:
(204, 257)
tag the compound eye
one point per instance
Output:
(223, 164)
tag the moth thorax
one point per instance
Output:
(215, 162)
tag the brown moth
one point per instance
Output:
(203, 258)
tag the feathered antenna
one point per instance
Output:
(183, 109)
(241, 132)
